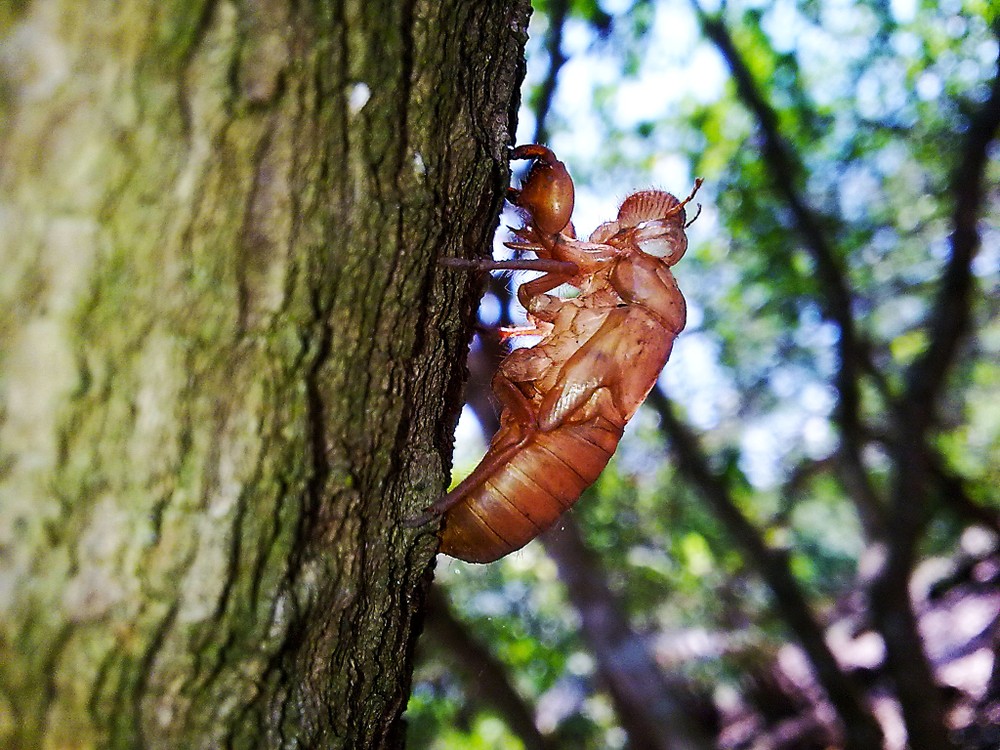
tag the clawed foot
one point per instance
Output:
(421, 519)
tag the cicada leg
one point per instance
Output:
(499, 454)
(515, 332)
(555, 272)
(558, 267)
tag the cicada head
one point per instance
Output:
(650, 205)
(653, 221)
(661, 239)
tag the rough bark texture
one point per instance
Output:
(225, 350)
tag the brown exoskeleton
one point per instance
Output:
(567, 399)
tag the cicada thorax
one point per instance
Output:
(544, 476)
(576, 323)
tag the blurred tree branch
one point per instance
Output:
(652, 708)
(553, 47)
(785, 169)
(485, 676)
(951, 488)
(913, 413)
(952, 312)
(913, 459)
(861, 731)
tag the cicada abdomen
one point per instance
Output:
(531, 483)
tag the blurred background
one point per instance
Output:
(796, 544)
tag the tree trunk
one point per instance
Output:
(229, 362)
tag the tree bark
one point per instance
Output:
(229, 363)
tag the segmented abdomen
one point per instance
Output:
(524, 497)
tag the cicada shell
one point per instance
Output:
(567, 399)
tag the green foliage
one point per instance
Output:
(439, 722)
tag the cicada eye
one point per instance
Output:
(661, 240)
